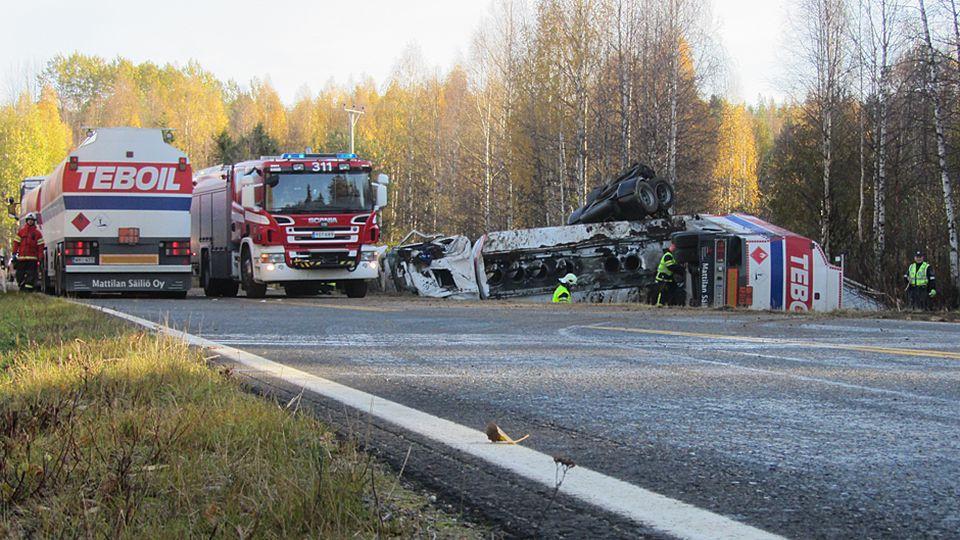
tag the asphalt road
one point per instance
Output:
(805, 426)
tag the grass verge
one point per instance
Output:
(107, 431)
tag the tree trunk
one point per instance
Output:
(956, 31)
(860, 124)
(561, 177)
(933, 89)
(624, 90)
(672, 142)
(880, 151)
(487, 173)
(827, 161)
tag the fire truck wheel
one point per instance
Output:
(251, 287)
(356, 288)
(229, 288)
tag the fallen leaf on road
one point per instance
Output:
(495, 434)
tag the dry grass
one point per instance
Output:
(109, 432)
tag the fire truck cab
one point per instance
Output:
(301, 221)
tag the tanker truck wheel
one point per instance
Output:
(45, 284)
(211, 287)
(664, 192)
(647, 198)
(59, 278)
(356, 288)
(252, 288)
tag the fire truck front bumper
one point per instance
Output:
(274, 271)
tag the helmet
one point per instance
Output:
(30, 216)
(569, 279)
(919, 253)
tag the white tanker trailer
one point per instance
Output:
(115, 216)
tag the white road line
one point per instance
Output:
(640, 505)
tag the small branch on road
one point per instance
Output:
(563, 465)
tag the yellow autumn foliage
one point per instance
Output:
(735, 183)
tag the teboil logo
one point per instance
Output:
(128, 178)
(799, 275)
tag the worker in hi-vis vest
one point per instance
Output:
(669, 271)
(921, 283)
(562, 294)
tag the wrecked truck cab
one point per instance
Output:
(440, 267)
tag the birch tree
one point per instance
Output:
(933, 90)
(822, 40)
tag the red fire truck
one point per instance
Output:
(301, 221)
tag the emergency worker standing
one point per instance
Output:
(562, 294)
(921, 283)
(669, 271)
(27, 251)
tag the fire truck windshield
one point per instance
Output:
(308, 193)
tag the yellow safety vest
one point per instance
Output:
(664, 273)
(917, 275)
(561, 295)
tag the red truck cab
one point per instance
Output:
(297, 220)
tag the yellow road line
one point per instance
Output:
(751, 339)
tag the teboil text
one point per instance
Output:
(799, 282)
(126, 178)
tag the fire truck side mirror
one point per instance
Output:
(381, 196)
(383, 179)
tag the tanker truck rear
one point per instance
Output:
(115, 216)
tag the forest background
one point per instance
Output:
(557, 96)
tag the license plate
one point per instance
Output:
(323, 234)
(84, 260)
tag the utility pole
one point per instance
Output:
(355, 114)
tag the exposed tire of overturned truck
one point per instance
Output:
(634, 195)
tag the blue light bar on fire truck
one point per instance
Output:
(316, 156)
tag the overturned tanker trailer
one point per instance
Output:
(614, 262)
(613, 244)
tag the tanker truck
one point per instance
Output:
(115, 216)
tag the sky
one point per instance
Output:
(303, 44)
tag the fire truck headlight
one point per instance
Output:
(270, 267)
(368, 256)
(274, 258)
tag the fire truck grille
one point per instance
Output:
(321, 235)
(307, 261)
